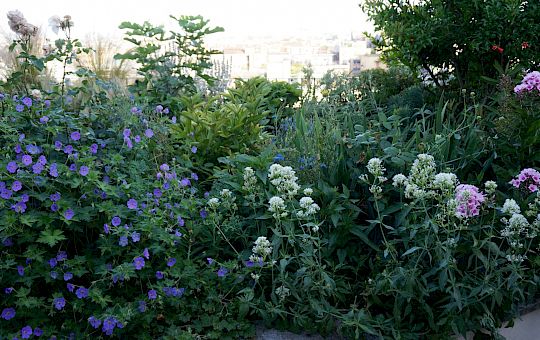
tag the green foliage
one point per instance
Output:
(169, 61)
(462, 39)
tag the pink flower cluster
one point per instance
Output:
(529, 177)
(530, 82)
(469, 199)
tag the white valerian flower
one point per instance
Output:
(375, 167)
(490, 186)
(315, 228)
(510, 207)
(277, 207)
(399, 180)
(308, 206)
(249, 179)
(225, 193)
(213, 202)
(255, 276)
(262, 247)
(421, 177)
(445, 181)
(284, 179)
(308, 191)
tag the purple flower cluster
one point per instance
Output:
(469, 200)
(59, 303)
(173, 291)
(530, 82)
(529, 178)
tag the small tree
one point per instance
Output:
(457, 39)
(169, 62)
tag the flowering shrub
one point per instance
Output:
(449, 251)
(97, 228)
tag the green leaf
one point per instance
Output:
(410, 251)
(51, 237)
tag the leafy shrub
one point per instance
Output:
(463, 39)
(451, 258)
(169, 63)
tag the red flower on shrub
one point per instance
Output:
(524, 45)
(497, 48)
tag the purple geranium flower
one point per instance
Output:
(26, 160)
(70, 287)
(171, 262)
(159, 109)
(204, 213)
(44, 120)
(185, 182)
(19, 207)
(16, 186)
(152, 294)
(68, 214)
(73, 167)
(9, 290)
(6, 194)
(116, 221)
(157, 193)
(20, 270)
(142, 306)
(106, 228)
(27, 101)
(53, 170)
(75, 135)
(123, 241)
(129, 143)
(19, 108)
(138, 262)
(222, 272)
(135, 236)
(149, 133)
(26, 332)
(38, 332)
(12, 167)
(37, 168)
(59, 303)
(53, 262)
(8, 313)
(81, 292)
(146, 253)
(68, 276)
(68, 149)
(164, 167)
(54, 275)
(57, 145)
(33, 149)
(55, 197)
(194, 149)
(132, 204)
(137, 139)
(94, 148)
(126, 133)
(83, 170)
(54, 207)
(94, 322)
(61, 256)
(159, 275)
(42, 160)
(210, 260)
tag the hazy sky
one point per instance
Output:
(238, 17)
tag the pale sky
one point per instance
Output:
(238, 17)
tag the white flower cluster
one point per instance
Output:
(262, 247)
(399, 180)
(249, 179)
(309, 207)
(277, 207)
(308, 191)
(284, 179)
(375, 167)
(213, 203)
(490, 186)
(445, 181)
(510, 207)
(421, 177)
(225, 193)
(515, 226)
